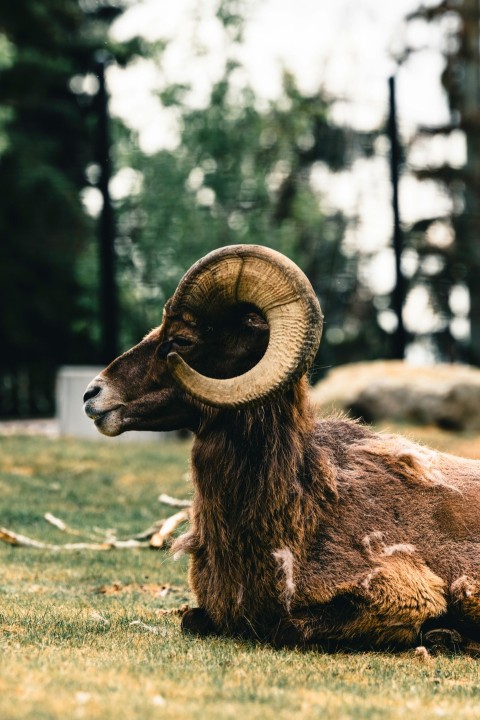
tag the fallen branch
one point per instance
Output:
(168, 528)
(154, 537)
(12, 538)
(181, 610)
(148, 628)
(147, 534)
(63, 527)
(174, 502)
(56, 522)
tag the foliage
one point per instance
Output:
(69, 649)
(47, 127)
(243, 174)
(446, 247)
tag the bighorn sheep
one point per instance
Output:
(304, 531)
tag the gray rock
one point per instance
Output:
(443, 395)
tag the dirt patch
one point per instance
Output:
(48, 427)
(177, 611)
(152, 589)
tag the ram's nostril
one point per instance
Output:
(91, 393)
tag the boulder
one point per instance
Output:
(443, 395)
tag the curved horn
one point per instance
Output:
(279, 289)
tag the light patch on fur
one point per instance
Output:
(461, 587)
(404, 548)
(419, 454)
(284, 558)
(418, 463)
(419, 458)
(423, 459)
(240, 595)
(368, 579)
(373, 542)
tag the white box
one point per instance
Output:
(71, 384)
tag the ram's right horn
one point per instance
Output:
(283, 295)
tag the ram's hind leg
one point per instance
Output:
(329, 625)
(386, 607)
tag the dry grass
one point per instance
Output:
(68, 645)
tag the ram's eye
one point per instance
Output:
(164, 348)
(182, 341)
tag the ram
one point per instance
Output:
(304, 531)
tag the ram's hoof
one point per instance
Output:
(442, 640)
(197, 622)
(287, 635)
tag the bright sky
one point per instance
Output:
(343, 46)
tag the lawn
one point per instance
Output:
(94, 634)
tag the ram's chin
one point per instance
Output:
(110, 424)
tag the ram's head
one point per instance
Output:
(243, 324)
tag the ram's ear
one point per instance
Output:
(254, 321)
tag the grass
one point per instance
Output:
(67, 645)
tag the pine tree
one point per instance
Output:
(244, 175)
(47, 127)
(448, 247)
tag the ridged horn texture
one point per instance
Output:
(282, 293)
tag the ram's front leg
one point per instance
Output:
(196, 621)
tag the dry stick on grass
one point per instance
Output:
(150, 531)
(158, 528)
(168, 528)
(13, 538)
(174, 502)
(148, 628)
(63, 527)
(155, 537)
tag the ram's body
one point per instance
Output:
(303, 531)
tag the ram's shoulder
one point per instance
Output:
(340, 429)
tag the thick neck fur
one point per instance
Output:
(253, 470)
(259, 477)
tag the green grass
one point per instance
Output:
(68, 650)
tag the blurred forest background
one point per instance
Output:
(244, 171)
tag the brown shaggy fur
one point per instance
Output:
(319, 532)
(304, 531)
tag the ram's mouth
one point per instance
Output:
(95, 413)
(108, 422)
